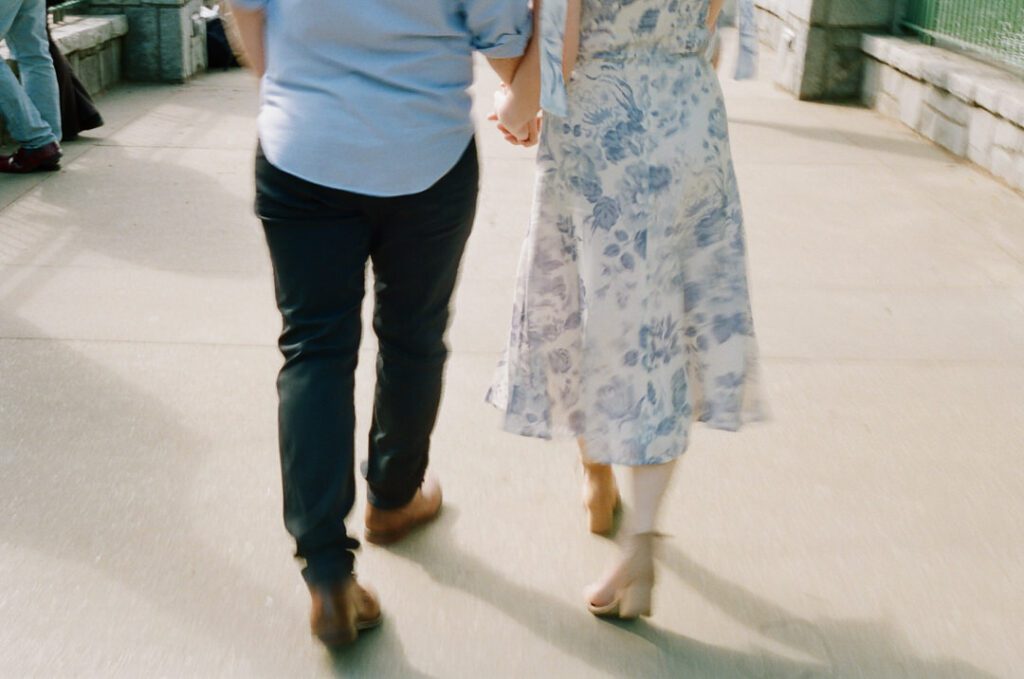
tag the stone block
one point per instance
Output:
(1018, 181)
(872, 82)
(892, 81)
(80, 33)
(90, 73)
(1011, 104)
(947, 133)
(160, 44)
(949, 106)
(813, 83)
(980, 135)
(110, 64)
(875, 46)
(790, 58)
(988, 92)
(1008, 136)
(199, 56)
(1002, 164)
(900, 53)
(832, 64)
(173, 51)
(963, 85)
(807, 11)
(887, 106)
(912, 96)
(142, 44)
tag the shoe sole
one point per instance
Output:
(349, 637)
(40, 168)
(389, 537)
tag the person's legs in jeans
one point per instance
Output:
(31, 108)
(319, 242)
(416, 253)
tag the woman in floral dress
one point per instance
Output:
(631, 316)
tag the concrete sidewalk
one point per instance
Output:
(872, 529)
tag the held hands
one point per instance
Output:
(515, 132)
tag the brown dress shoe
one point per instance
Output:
(340, 611)
(385, 526)
(24, 161)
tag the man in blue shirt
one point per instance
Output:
(366, 153)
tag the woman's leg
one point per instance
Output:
(600, 493)
(648, 484)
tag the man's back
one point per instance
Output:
(371, 97)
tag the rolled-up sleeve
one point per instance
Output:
(500, 29)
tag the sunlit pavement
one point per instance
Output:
(871, 529)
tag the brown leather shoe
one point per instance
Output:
(24, 161)
(385, 526)
(340, 611)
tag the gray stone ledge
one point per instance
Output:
(971, 81)
(77, 33)
(83, 33)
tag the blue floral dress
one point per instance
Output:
(631, 316)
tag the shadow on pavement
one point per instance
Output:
(910, 147)
(99, 474)
(839, 649)
(605, 647)
(845, 648)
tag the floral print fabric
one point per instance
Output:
(631, 316)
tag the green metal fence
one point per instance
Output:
(58, 12)
(990, 28)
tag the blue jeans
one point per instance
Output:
(30, 108)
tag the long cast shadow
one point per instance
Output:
(605, 647)
(848, 648)
(910, 148)
(94, 471)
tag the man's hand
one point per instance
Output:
(517, 129)
(527, 135)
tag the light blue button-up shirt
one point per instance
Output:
(370, 96)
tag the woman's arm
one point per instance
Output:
(571, 49)
(251, 24)
(522, 99)
(716, 9)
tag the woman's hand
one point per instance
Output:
(527, 135)
(515, 132)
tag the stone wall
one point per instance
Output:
(969, 108)
(166, 39)
(818, 42)
(93, 46)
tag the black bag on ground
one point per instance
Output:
(218, 50)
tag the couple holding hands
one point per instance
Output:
(631, 317)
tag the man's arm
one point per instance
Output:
(524, 100)
(251, 24)
(506, 68)
(500, 30)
